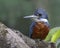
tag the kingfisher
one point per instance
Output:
(40, 26)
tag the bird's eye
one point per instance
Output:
(40, 14)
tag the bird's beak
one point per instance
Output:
(31, 16)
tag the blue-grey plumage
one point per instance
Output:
(32, 25)
(39, 15)
(41, 12)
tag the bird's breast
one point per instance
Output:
(40, 31)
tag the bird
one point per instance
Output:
(40, 26)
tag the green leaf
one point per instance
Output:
(52, 34)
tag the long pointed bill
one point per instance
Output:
(31, 16)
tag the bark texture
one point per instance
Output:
(10, 38)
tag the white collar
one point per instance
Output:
(41, 19)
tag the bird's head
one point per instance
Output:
(39, 14)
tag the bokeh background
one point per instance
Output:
(13, 11)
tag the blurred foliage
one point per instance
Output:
(54, 12)
(58, 43)
(51, 33)
(54, 36)
(13, 11)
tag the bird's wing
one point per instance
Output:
(31, 29)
